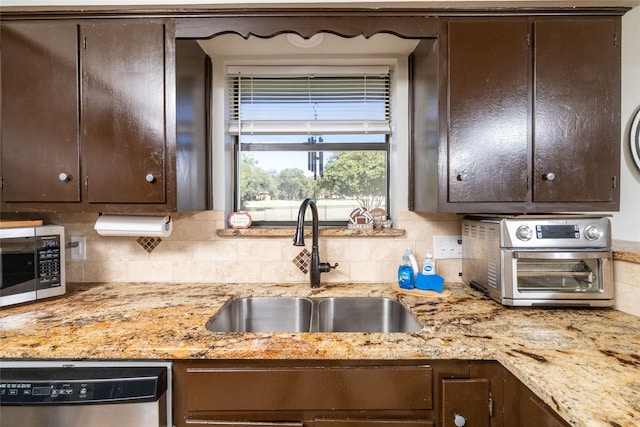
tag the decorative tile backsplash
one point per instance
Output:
(149, 243)
(195, 253)
(303, 260)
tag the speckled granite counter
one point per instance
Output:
(583, 363)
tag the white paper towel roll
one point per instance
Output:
(134, 225)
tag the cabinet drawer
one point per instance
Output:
(244, 423)
(377, 423)
(322, 388)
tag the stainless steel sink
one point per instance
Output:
(263, 314)
(365, 314)
(289, 314)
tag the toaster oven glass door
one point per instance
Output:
(18, 265)
(577, 273)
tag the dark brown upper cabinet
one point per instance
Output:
(40, 143)
(529, 116)
(576, 121)
(123, 112)
(89, 116)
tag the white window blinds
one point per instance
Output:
(309, 100)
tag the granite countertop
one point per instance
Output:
(583, 363)
(625, 250)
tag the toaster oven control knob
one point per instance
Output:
(592, 232)
(524, 233)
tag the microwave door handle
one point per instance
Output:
(561, 255)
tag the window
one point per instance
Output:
(309, 131)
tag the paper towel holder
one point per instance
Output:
(133, 225)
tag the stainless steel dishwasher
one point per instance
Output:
(74, 394)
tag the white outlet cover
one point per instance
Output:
(447, 247)
(79, 252)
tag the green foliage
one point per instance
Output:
(293, 184)
(358, 174)
(254, 181)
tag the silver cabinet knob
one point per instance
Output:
(549, 176)
(459, 420)
(63, 177)
(150, 177)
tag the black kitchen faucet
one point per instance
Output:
(317, 267)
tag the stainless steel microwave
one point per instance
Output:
(31, 263)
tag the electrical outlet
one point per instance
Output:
(447, 247)
(78, 248)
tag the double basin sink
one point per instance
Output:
(298, 314)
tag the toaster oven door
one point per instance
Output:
(560, 277)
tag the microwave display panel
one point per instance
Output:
(565, 276)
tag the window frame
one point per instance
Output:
(223, 169)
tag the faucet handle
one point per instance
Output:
(325, 267)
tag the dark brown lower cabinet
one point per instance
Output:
(417, 393)
(525, 408)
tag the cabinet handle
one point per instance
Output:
(461, 177)
(550, 176)
(64, 177)
(459, 420)
(150, 178)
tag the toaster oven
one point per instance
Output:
(539, 260)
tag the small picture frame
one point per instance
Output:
(239, 220)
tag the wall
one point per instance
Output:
(195, 253)
(625, 224)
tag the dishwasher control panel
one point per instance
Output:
(44, 392)
(80, 385)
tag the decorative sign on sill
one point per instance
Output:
(240, 219)
(360, 219)
(379, 217)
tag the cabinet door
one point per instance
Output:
(488, 110)
(40, 112)
(465, 401)
(577, 110)
(123, 111)
(522, 408)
